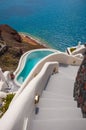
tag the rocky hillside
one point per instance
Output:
(9, 35)
(16, 46)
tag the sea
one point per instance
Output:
(57, 23)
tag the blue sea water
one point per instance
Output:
(61, 23)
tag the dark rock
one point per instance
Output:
(15, 47)
(8, 34)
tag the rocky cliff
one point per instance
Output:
(16, 47)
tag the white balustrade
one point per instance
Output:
(19, 114)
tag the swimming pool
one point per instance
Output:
(31, 60)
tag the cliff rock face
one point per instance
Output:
(8, 34)
(15, 47)
(10, 37)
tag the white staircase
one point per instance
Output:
(57, 109)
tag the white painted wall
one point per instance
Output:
(80, 49)
(59, 57)
(23, 60)
(3, 82)
(19, 114)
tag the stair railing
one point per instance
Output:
(19, 113)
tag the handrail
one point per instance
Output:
(23, 60)
(59, 57)
(21, 109)
(21, 63)
(24, 56)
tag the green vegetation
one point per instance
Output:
(6, 103)
(72, 49)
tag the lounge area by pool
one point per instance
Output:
(30, 61)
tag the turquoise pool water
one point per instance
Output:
(32, 59)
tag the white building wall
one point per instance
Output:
(19, 114)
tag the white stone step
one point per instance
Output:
(64, 92)
(67, 75)
(59, 113)
(59, 82)
(55, 81)
(51, 95)
(69, 70)
(62, 75)
(65, 124)
(55, 103)
(59, 88)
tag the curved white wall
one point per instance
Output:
(80, 49)
(20, 111)
(59, 57)
(24, 56)
(23, 60)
